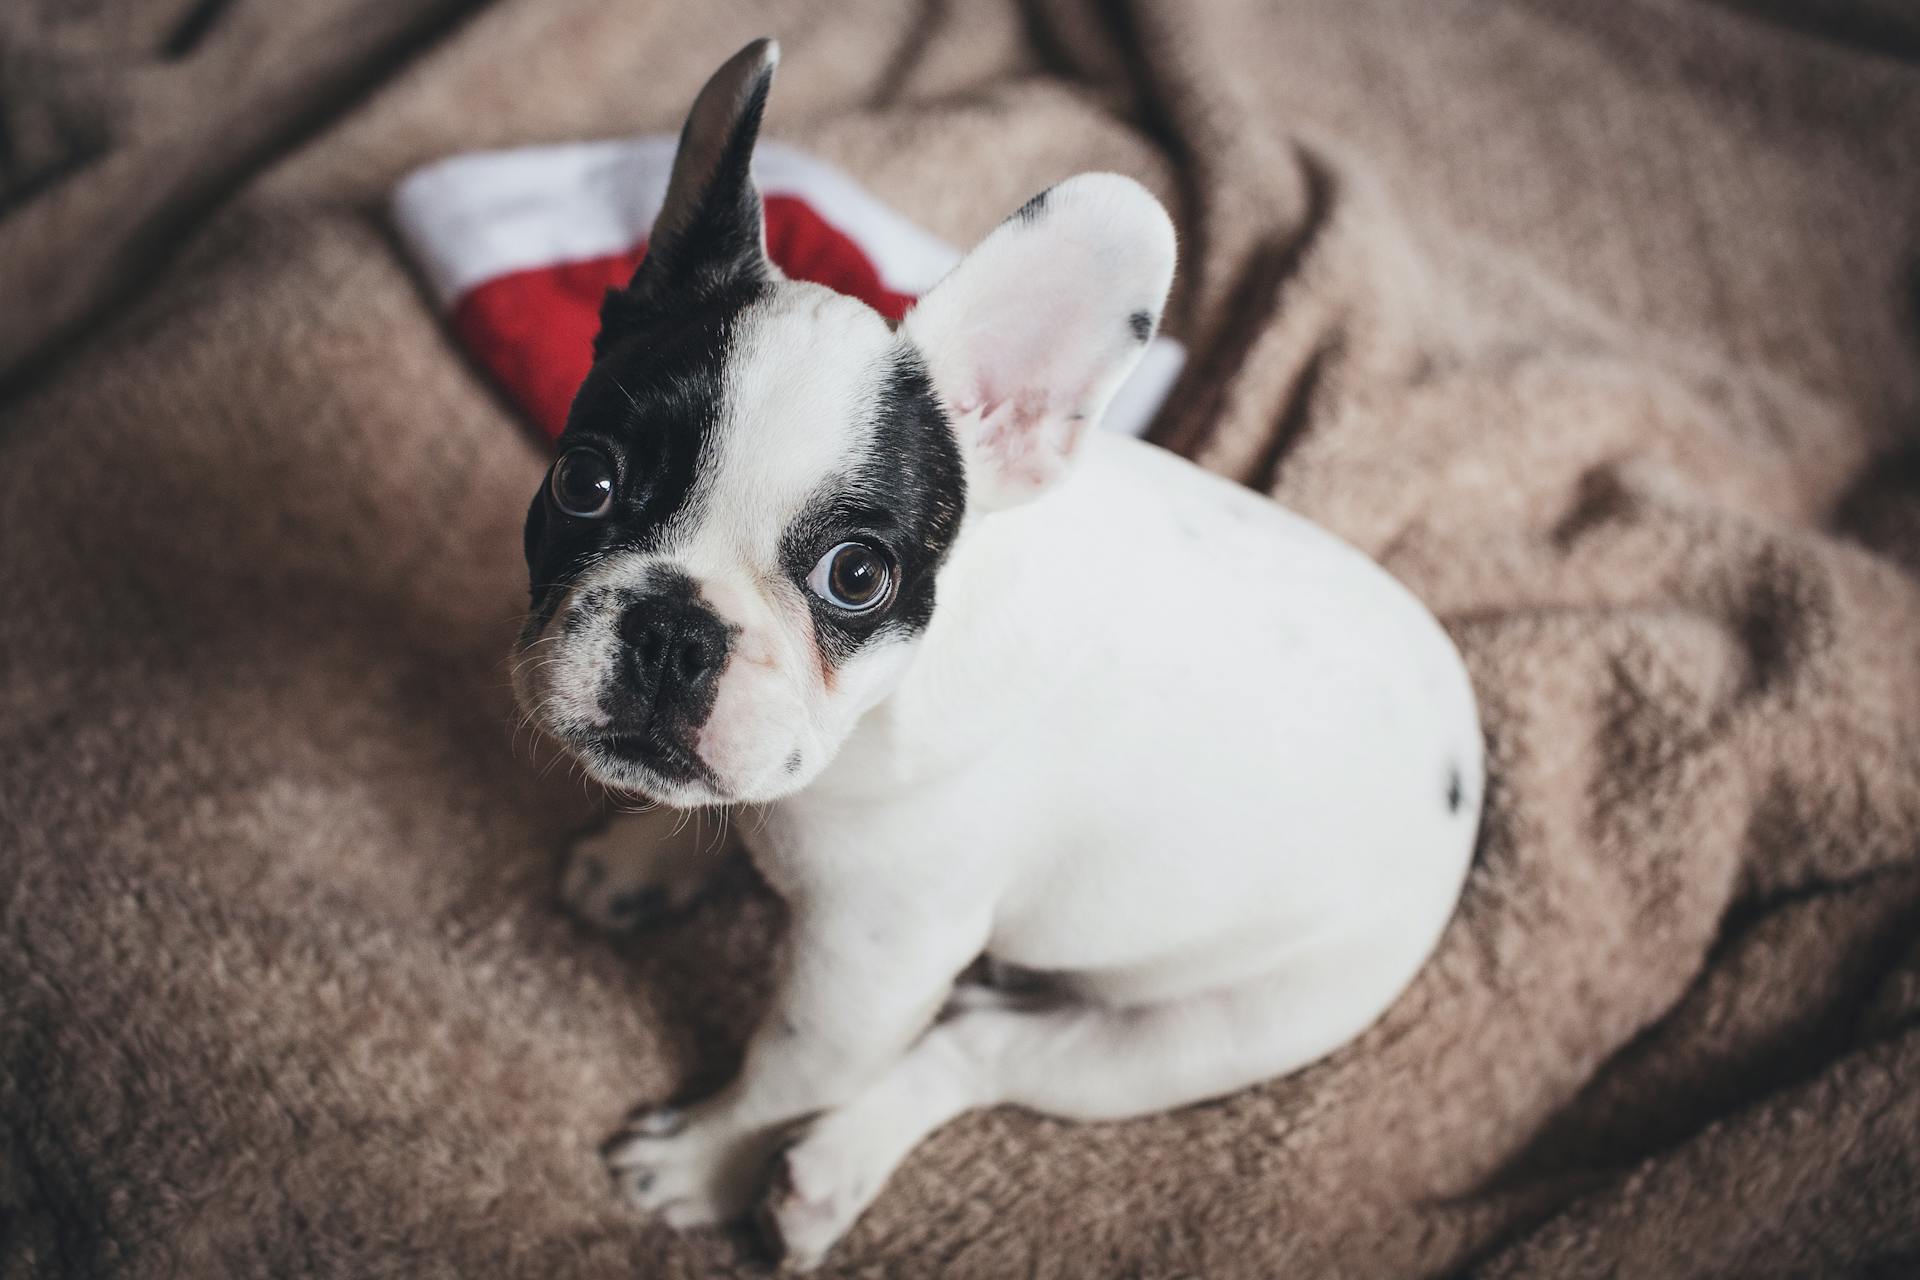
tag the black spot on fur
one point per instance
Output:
(1031, 212)
(1140, 324)
(1456, 791)
(793, 763)
(907, 498)
(649, 403)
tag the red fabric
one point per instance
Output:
(533, 330)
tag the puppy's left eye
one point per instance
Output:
(852, 576)
(582, 484)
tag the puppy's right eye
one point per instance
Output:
(582, 484)
(852, 577)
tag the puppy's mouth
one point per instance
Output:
(661, 757)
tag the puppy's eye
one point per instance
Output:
(853, 576)
(582, 484)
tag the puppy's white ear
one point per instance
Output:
(1030, 336)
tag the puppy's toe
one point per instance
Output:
(692, 1170)
(806, 1210)
(655, 1121)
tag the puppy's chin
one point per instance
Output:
(632, 777)
(690, 779)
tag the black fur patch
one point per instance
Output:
(649, 403)
(1030, 212)
(907, 499)
(650, 398)
(1456, 790)
(1140, 324)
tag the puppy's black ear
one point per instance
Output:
(711, 234)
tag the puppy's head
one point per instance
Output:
(738, 548)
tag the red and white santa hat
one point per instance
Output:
(519, 247)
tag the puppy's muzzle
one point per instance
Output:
(672, 650)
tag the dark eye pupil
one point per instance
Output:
(583, 484)
(857, 575)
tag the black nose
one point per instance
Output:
(661, 646)
(675, 649)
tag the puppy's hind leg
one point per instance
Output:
(1077, 1061)
(641, 867)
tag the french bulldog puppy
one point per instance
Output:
(986, 681)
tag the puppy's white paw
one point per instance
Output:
(820, 1186)
(617, 879)
(694, 1168)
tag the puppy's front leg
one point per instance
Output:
(862, 979)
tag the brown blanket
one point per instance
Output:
(1594, 322)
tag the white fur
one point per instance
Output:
(1164, 742)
